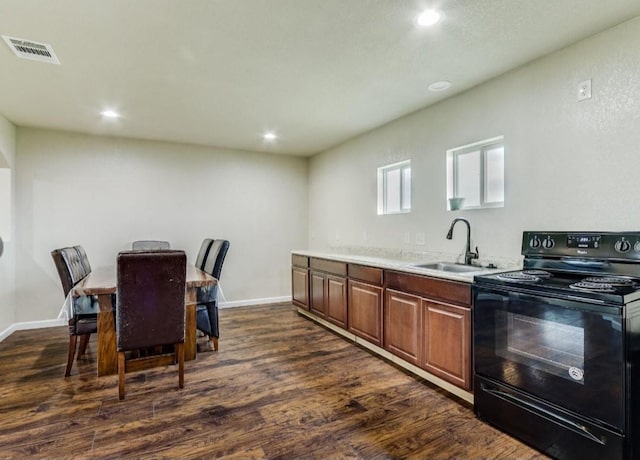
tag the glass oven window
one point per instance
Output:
(548, 346)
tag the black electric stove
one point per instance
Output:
(556, 359)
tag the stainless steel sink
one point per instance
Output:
(449, 267)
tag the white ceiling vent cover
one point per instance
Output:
(28, 49)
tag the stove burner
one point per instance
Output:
(519, 277)
(617, 281)
(538, 273)
(589, 286)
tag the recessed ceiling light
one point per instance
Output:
(429, 17)
(269, 136)
(439, 85)
(110, 114)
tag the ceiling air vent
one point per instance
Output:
(28, 49)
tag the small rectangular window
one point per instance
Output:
(394, 188)
(475, 175)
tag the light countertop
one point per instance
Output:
(404, 263)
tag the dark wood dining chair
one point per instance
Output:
(149, 245)
(150, 310)
(84, 309)
(207, 306)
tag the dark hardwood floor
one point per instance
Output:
(279, 387)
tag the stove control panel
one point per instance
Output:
(583, 245)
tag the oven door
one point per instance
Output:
(564, 351)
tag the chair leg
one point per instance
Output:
(72, 352)
(180, 352)
(121, 364)
(214, 342)
(84, 340)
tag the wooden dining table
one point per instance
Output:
(102, 282)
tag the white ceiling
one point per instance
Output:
(220, 72)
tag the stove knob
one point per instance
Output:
(636, 247)
(622, 246)
(548, 243)
(534, 242)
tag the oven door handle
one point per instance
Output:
(570, 424)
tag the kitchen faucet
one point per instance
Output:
(468, 254)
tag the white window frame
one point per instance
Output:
(404, 168)
(453, 156)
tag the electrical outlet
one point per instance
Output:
(420, 238)
(584, 90)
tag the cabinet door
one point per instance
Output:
(300, 287)
(365, 311)
(337, 300)
(403, 325)
(447, 344)
(318, 305)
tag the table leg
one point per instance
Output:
(107, 356)
(190, 334)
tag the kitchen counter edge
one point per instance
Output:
(399, 265)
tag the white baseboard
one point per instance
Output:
(249, 302)
(62, 322)
(7, 332)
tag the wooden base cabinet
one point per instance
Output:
(328, 290)
(447, 347)
(365, 311)
(403, 325)
(337, 300)
(444, 333)
(318, 293)
(423, 320)
(300, 281)
(329, 298)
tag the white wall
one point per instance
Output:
(105, 192)
(569, 165)
(7, 272)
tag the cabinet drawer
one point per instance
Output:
(368, 274)
(434, 288)
(329, 266)
(299, 261)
